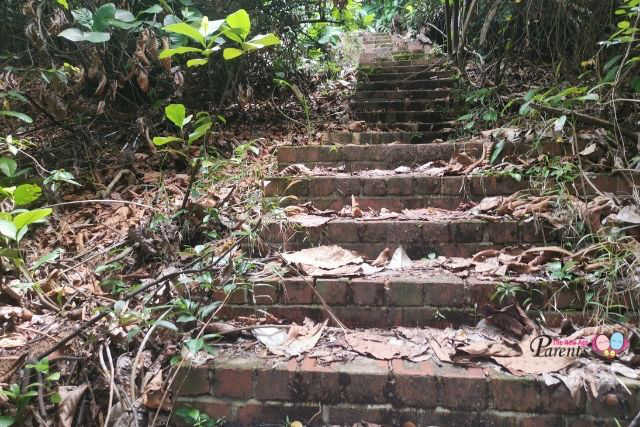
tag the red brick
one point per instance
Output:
(511, 393)
(368, 292)
(343, 231)
(233, 379)
(452, 185)
(405, 292)
(213, 407)
(462, 388)
(265, 293)
(374, 186)
(374, 231)
(191, 381)
(400, 186)
(435, 232)
(363, 380)
(415, 384)
(427, 185)
(238, 295)
(556, 399)
(334, 292)
(273, 383)
(356, 153)
(418, 316)
(297, 291)
(502, 232)
(256, 413)
(288, 154)
(467, 231)
(322, 186)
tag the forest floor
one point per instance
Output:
(385, 229)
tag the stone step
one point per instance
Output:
(415, 297)
(375, 61)
(419, 238)
(355, 158)
(411, 191)
(405, 116)
(380, 104)
(448, 126)
(382, 137)
(404, 76)
(403, 69)
(247, 389)
(414, 94)
(406, 84)
(376, 36)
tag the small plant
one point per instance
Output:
(484, 108)
(507, 291)
(560, 271)
(302, 100)
(209, 36)
(196, 418)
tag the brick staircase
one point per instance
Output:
(405, 100)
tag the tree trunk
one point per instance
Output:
(447, 23)
(455, 16)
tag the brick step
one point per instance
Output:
(376, 36)
(403, 69)
(374, 61)
(415, 297)
(420, 238)
(379, 104)
(250, 390)
(408, 76)
(415, 126)
(415, 94)
(412, 191)
(382, 137)
(355, 158)
(406, 84)
(405, 116)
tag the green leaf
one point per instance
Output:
(17, 115)
(8, 166)
(167, 325)
(156, 8)
(559, 123)
(186, 30)
(265, 40)
(209, 27)
(44, 259)
(525, 109)
(6, 421)
(240, 22)
(162, 140)
(124, 15)
(167, 53)
(63, 3)
(589, 97)
(10, 253)
(497, 151)
(232, 53)
(97, 37)
(26, 193)
(176, 113)
(53, 377)
(635, 84)
(623, 25)
(490, 116)
(102, 16)
(8, 229)
(30, 217)
(197, 62)
(199, 132)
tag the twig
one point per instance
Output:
(317, 294)
(103, 201)
(192, 178)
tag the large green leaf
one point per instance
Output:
(162, 140)
(240, 23)
(232, 52)
(77, 35)
(17, 115)
(8, 229)
(29, 217)
(186, 30)
(265, 40)
(102, 16)
(176, 113)
(8, 166)
(197, 62)
(199, 132)
(178, 51)
(156, 8)
(26, 193)
(209, 27)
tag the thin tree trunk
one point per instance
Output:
(456, 25)
(463, 34)
(447, 13)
